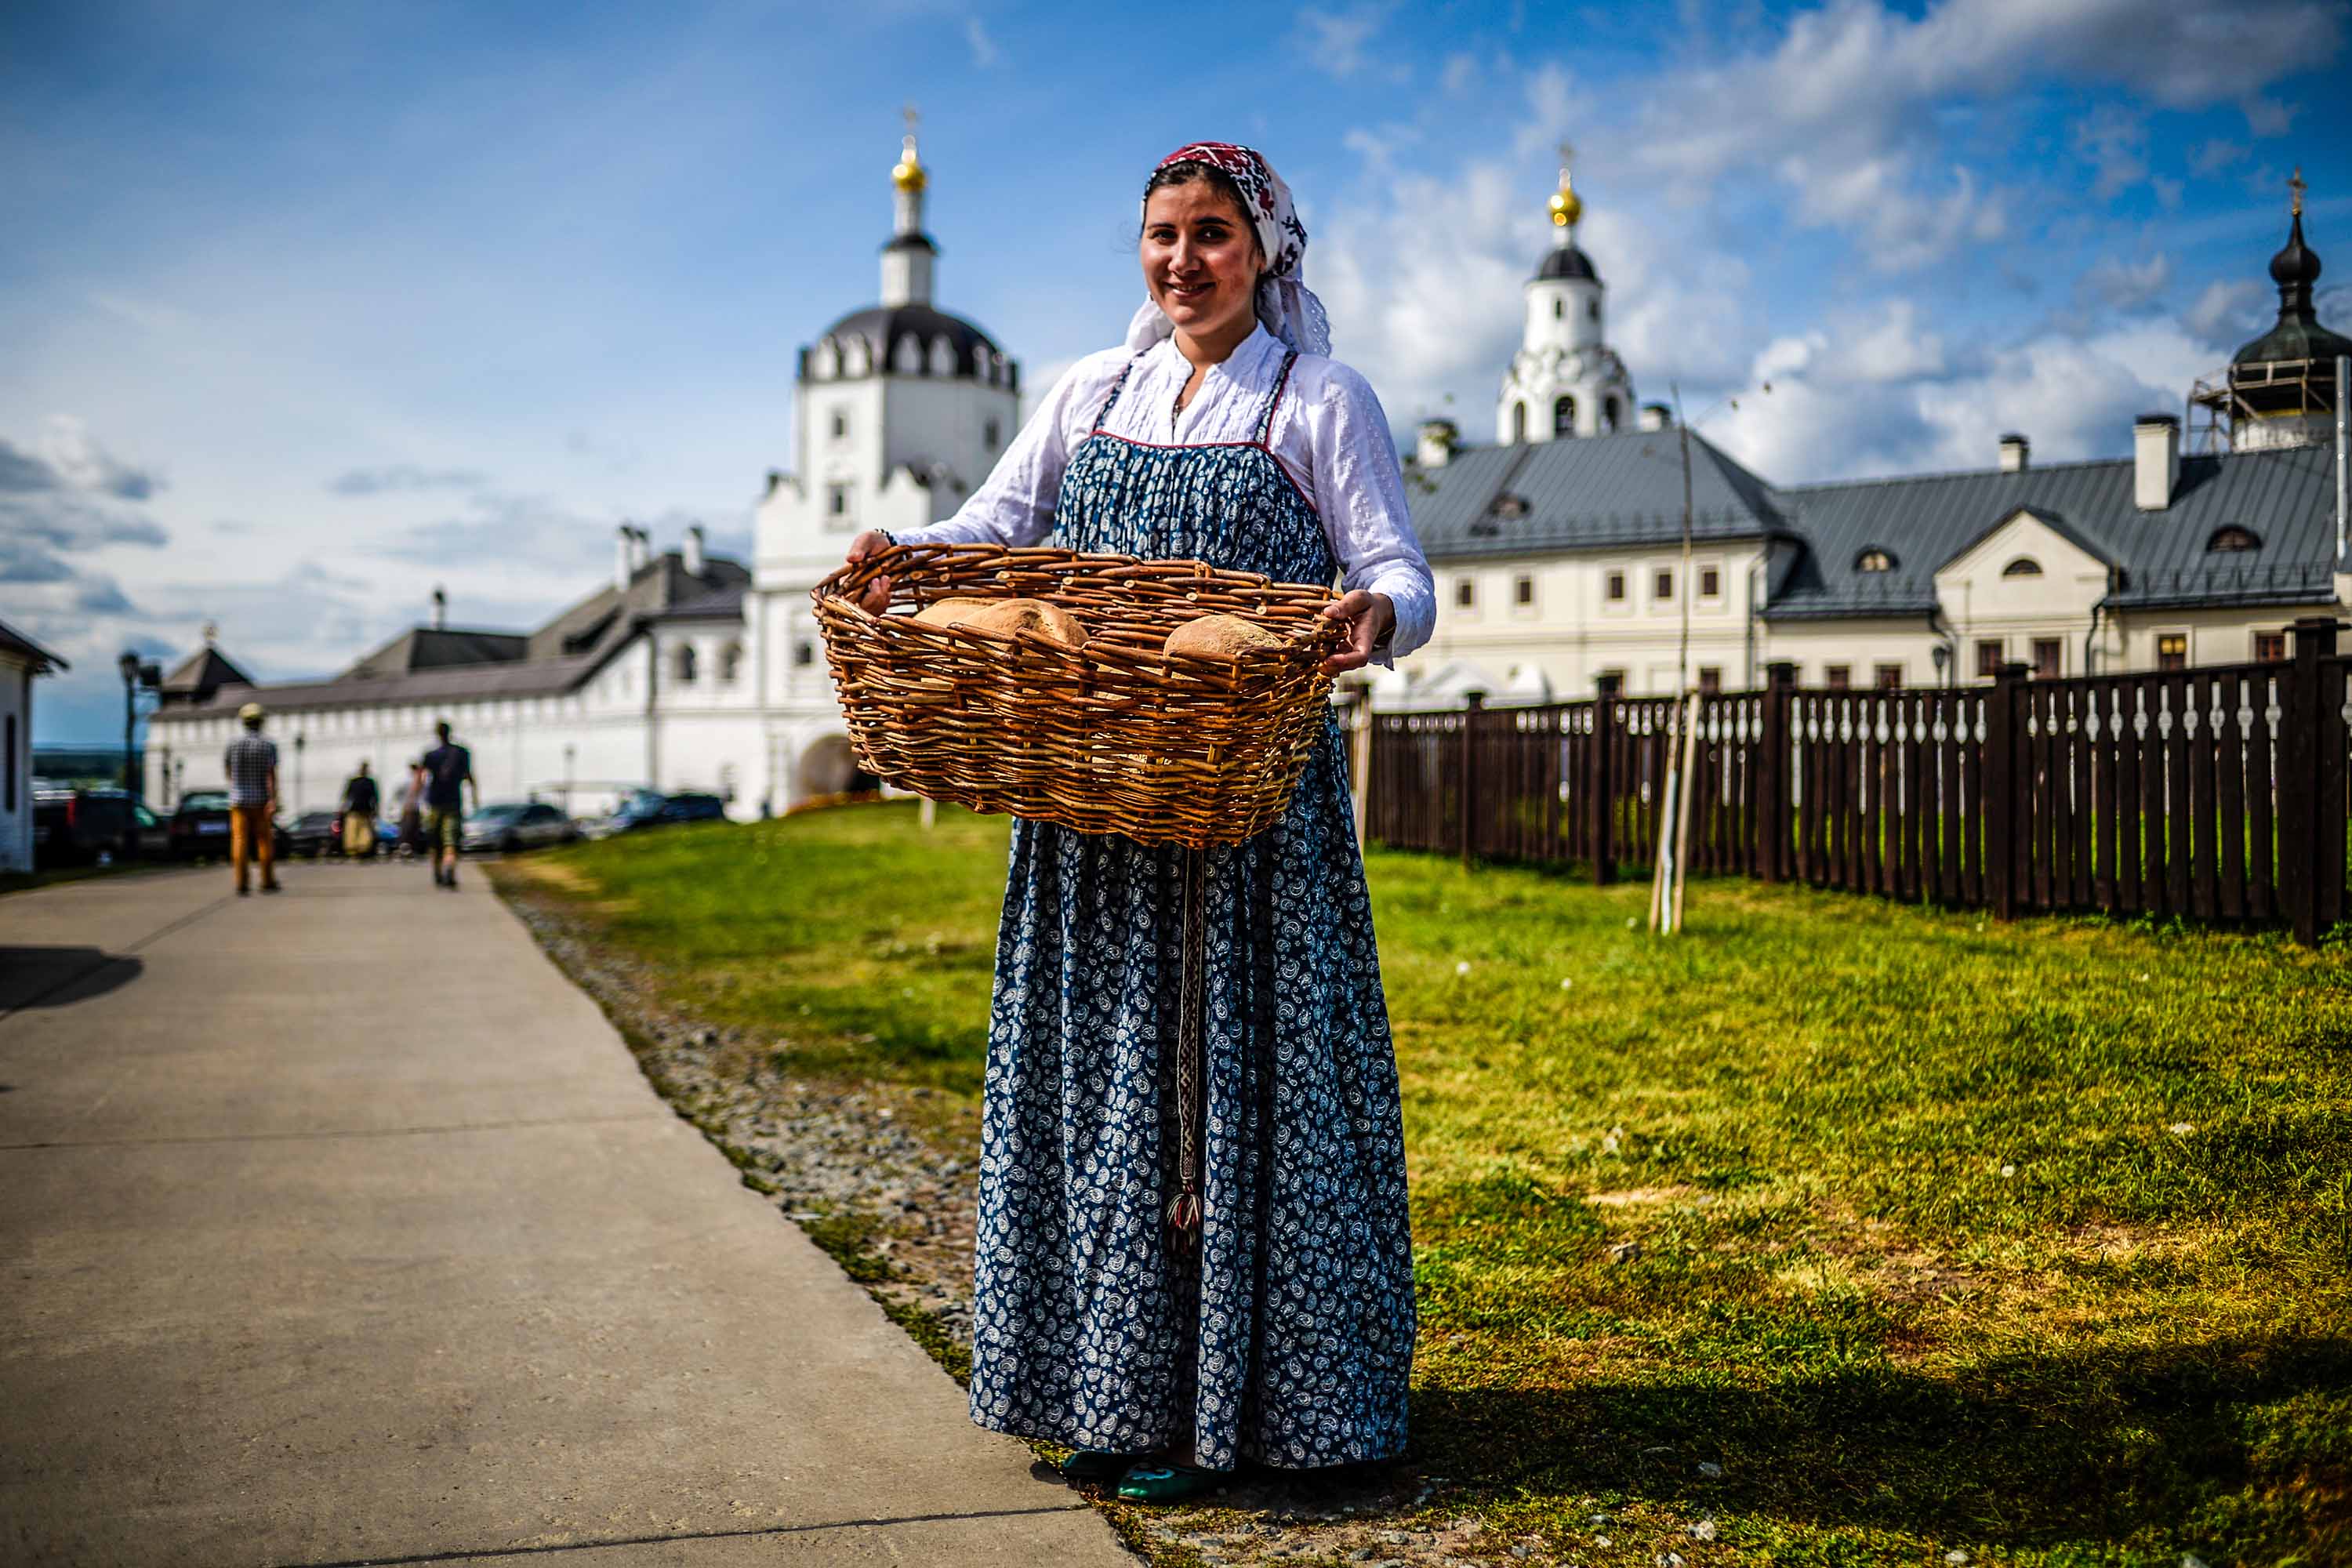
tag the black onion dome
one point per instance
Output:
(2297, 334)
(883, 327)
(1567, 262)
(2295, 262)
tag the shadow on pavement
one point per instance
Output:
(61, 977)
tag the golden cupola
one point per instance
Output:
(908, 173)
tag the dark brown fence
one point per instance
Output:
(2215, 794)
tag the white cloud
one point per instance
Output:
(2228, 312)
(2268, 116)
(2212, 156)
(2114, 142)
(984, 53)
(1555, 106)
(1460, 75)
(2127, 286)
(1843, 105)
(1336, 41)
(394, 477)
(1833, 413)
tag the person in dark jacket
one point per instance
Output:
(361, 799)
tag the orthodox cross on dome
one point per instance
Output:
(2298, 187)
(1565, 206)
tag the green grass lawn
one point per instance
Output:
(2031, 1241)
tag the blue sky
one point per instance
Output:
(307, 308)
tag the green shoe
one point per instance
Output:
(1162, 1482)
(1098, 1464)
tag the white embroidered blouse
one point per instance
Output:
(1328, 432)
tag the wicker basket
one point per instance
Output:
(1112, 736)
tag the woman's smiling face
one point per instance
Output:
(1200, 260)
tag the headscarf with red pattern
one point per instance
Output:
(1287, 307)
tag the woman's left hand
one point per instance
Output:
(1368, 617)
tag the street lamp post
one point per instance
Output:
(298, 744)
(136, 672)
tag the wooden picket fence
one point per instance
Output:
(2215, 793)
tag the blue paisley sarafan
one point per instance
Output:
(1285, 1334)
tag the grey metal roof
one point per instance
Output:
(1567, 262)
(436, 647)
(1585, 492)
(561, 654)
(724, 605)
(2283, 497)
(16, 642)
(201, 672)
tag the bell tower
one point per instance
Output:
(1565, 381)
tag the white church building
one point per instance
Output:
(686, 670)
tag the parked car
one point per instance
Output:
(198, 827)
(73, 826)
(153, 833)
(315, 833)
(648, 809)
(509, 826)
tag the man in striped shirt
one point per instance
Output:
(252, 763)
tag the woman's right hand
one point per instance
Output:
(876, 597)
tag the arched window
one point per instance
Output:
(2230, 538)
(731, 662)
(989, 434)
(1563, 416)
(1873, 560)
(1612, 414)
(683, 663)
(2023, 566)
(1519, 422)
(1592, 309)
(1559, 309)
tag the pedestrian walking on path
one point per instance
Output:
(1171, 1284)
(251, 762)
(449, 770)
(361, 799)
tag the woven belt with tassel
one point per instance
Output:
(1184, 1210)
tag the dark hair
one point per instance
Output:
(442, 729)
(1192, 170)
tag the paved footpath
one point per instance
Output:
(338, 1227)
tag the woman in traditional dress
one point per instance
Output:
(1194, 1246)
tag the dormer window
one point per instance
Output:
(1873, 560)
(2023, 566)
(2231, 539)
(1509, 506)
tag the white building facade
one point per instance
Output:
(21, 662)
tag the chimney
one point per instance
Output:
(1657, 416)
(2156, 461)
(440, 609)
(623, 539)
(692, 555)
(641, 550)
(2013, 449)
(1438, 439)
